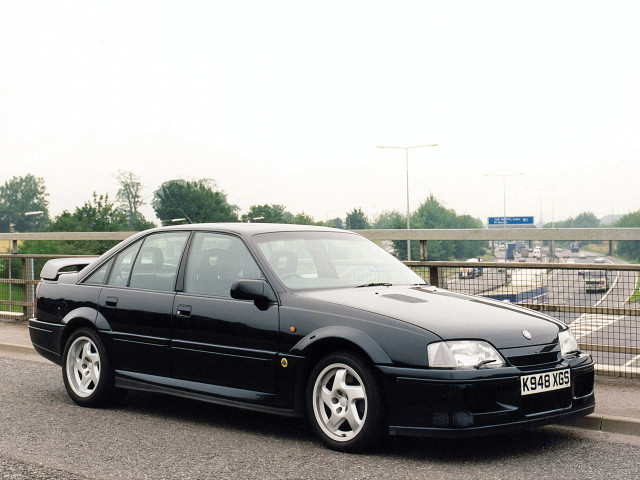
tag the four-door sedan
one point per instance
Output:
(299, 320)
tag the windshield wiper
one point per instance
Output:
(375, 284)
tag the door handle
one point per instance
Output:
(111, 302)
(183, 311)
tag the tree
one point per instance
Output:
(583, 220)
(336, 223)
(356, 220)
(267, 214)
(97, 215)
(629, 248)
(432, 214)
(304, 219)
(130, 198)
(19, 196)
(393, 220)
(198, 201)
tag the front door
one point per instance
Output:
(219, 340)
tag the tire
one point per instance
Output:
(87, 372)
(345, 402)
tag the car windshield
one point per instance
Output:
(594, 274)
(322, 260)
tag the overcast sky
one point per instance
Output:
(284, 102)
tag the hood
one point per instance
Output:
(447, 314)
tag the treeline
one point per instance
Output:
(24, 208)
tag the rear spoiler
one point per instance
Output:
(53, 268)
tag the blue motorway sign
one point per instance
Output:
(511, 221)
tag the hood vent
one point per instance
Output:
(404, 298)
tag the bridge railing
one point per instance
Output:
(604, 316)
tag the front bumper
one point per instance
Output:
(450, 403)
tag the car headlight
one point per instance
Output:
(568, 343)
(463, 354)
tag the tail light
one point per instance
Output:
(35, 301)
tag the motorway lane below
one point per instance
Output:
(153, 436)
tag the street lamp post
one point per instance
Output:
(504, 192)
(406, 152)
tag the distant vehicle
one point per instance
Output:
(558, 249)
(511, 251)
(566, 255)
(575, 247)
(537, 252)
(599, 260)
(595, 281)
(501, 247)
(527, 286)
(571, 260)
(582, 255)
(522, 259)
(470, 272)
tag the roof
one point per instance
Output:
(248, 228)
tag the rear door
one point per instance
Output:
(137, 302)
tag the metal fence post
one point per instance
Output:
(28, 296)
(433, 276)
(423, 250)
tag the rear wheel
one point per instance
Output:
(345, 402)
(87, 372)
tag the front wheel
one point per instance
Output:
(87, 373)
(345, 402)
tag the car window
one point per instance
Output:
(119, 275)
(99, 276)
(317, 260)
(156, 264)
(215, 262)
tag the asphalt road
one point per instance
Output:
(43, 435)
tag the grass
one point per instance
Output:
(635, 296)
(16, 296)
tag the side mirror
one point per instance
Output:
(257, 290)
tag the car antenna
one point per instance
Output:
(179, 207)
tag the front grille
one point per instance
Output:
(533, 357)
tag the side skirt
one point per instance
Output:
(178, 388)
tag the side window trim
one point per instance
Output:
(142, 247)
(189, 252)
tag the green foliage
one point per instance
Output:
(267, 214)
(130, 198)
(21, 195)
(432, 214)
(629, 248)
(393, 220)
(336, 223)
(304, 219)
(356, 220)
(198, 201)
(583, 220)
(98, 215)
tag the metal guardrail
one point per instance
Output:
(605, 323)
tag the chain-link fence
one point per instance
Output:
(600, 302)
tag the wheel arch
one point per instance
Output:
(79, 318)
(329, 340)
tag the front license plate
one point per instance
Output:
(545, 382)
